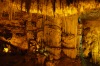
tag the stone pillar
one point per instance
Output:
(69, 36)
(52, 36)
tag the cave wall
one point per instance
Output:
(54, 28)
(16, 28)
(91, 31)
(51, 32)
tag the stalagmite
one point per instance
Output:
(69, 39)
(52, 29)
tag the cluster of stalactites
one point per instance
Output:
(67, 2)
(28, 3)
(62, 3)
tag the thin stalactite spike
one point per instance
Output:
(60, 4)
(38, 5)
(28, 5)
(54, 6)
(13, 0)
(22, 1)
(68, 2)
(46, 2)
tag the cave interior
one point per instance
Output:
(49, 32)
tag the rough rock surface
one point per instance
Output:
(91, 31)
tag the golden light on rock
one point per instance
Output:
(51, 32)
(5, 50)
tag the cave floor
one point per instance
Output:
(19, 60)
(14, 60)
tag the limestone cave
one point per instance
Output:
(49, 32)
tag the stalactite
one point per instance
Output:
(97, 0)
(60, 3)
(28, 5)
(46, 7)
(76, 3)
(10, 10)
(41, 5)
(1, 0)
(53, 5)
(22, 1)
(38, 5)
(46, 2)
(13, 0)
(63, 4)
(68, 2)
